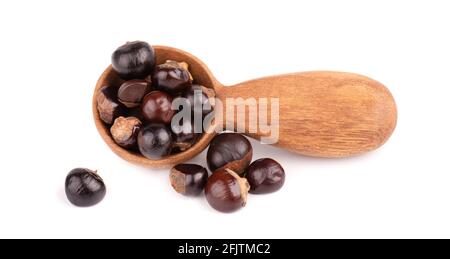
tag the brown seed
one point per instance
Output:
(184, 135)
(226, 191)
(155, 141)
(109, 108)
(229, 150)
(125, 131)
(188, 179)
(131, 92)
(171, 77)
(157, 107)
(265, 175)
(200, 99)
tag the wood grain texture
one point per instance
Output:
(324, 114)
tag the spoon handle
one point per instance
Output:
(323, 114)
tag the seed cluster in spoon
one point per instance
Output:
(139, 111)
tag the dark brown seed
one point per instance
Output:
(184, 135)
(109, 108)
(155, 141)
(157, 107)
(133, 60)
(226, 191)
(188, 179)
(125, 130)
(84, 187)
(171, 77)
(265, 175)
(198, 99)
(131, 92)
(229, 150)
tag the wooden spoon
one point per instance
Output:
(322, 114)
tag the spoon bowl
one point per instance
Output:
(202, 76)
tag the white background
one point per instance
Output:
(52, 53)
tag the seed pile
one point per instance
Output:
(139, 113)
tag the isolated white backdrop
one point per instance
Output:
(52, 53)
